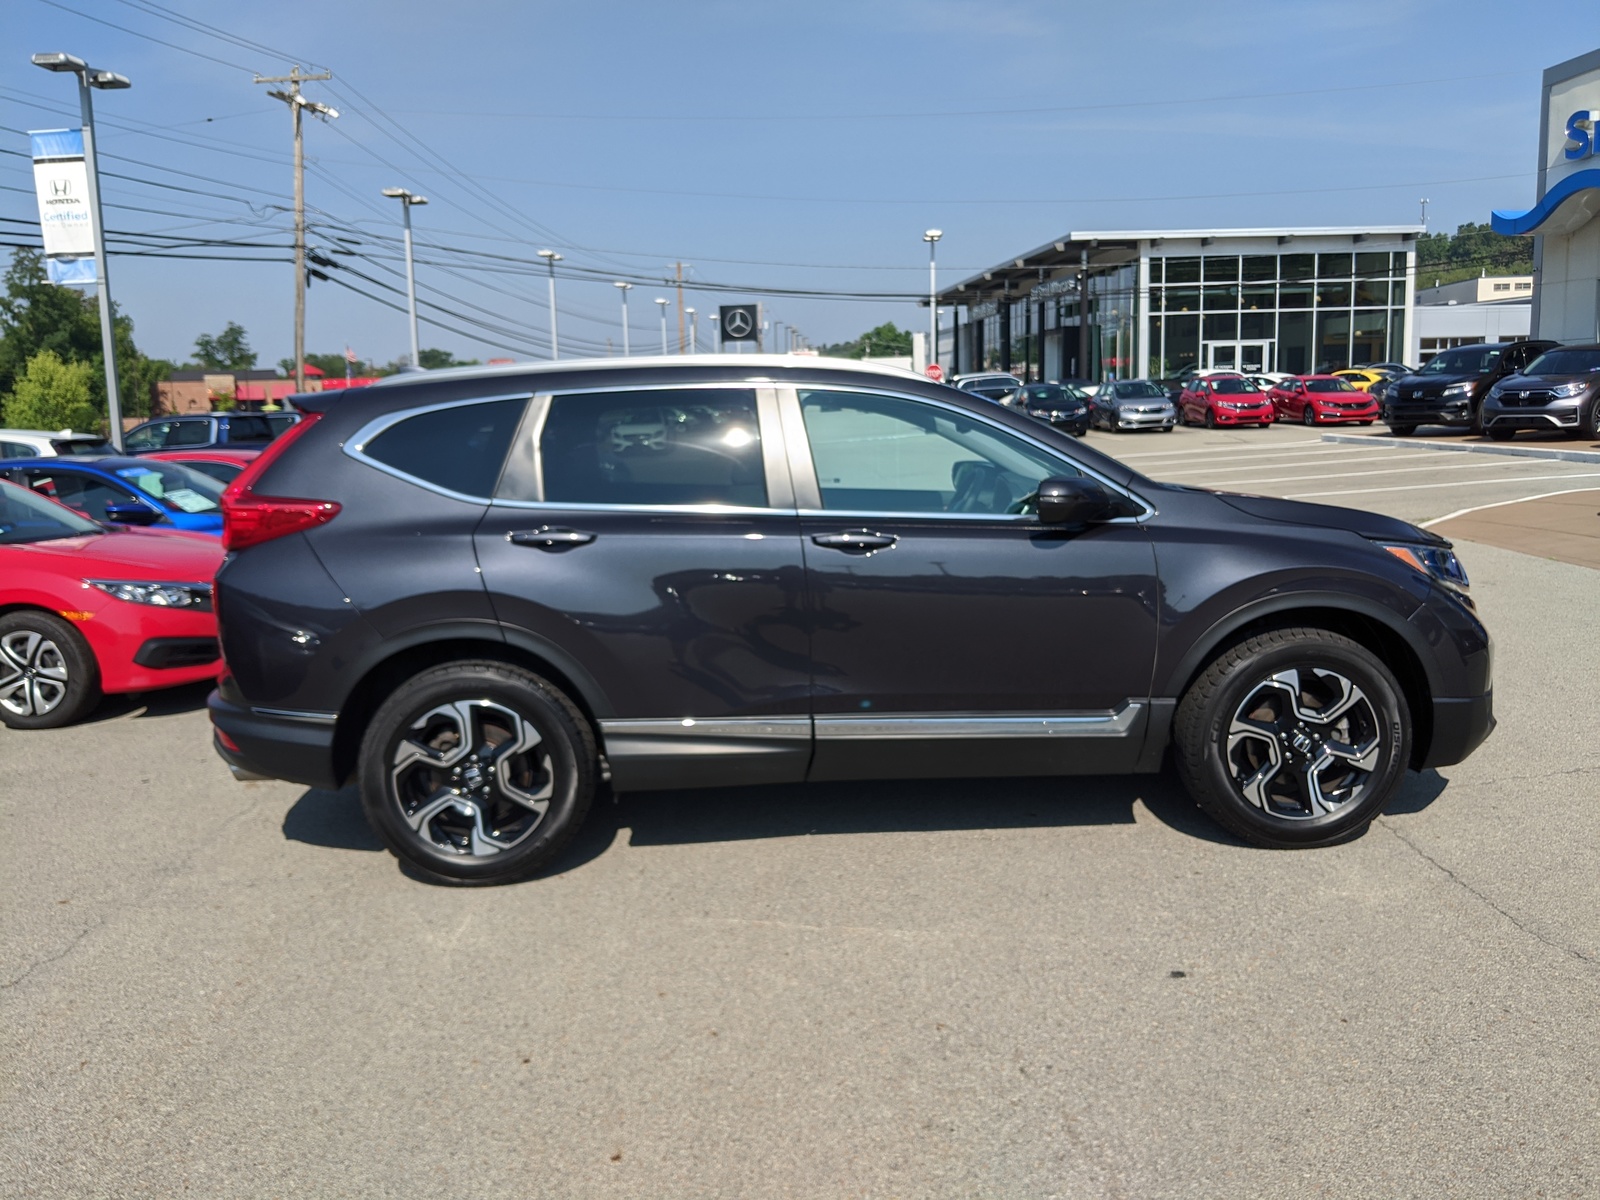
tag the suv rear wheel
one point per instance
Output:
(1294, 738)
(477, 772)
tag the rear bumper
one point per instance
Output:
(1459, 727)
(297, 747)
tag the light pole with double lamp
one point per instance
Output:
(89, 77)
(624, 288)
(932, 237)
(407, 202)
(551, 258)
(661, 304)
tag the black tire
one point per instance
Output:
(1401, 430)
(1307, 416)
(1475, 426)
(455, 845)
(1589, 421)
(1215, 768)
(1211, 418)
(1499, 433)
(48, 674)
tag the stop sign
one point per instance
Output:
(934, 372)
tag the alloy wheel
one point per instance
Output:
(33, 673)
(1303, 744)
(471, 778)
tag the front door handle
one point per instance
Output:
(856, 541)
(549, 537)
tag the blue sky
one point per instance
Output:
(800, 147)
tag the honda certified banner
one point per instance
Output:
(62, 181)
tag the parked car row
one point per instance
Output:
(1499, 389)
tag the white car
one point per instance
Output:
(37, 443)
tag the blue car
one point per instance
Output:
(125, 491)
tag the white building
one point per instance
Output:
(1491, 308)
(1566, 249)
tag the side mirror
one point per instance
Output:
(131, 513)
(1073, 500)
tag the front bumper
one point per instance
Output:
(1245, 416)
(1122, 419)
(1456, 411)
(1459, 727)
(297, 747)
(1561, 415)
(1337, 416)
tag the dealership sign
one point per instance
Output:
(61, 181)
(1580, 135)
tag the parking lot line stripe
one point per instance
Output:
(1218, 449)
(1347, 474)
(1419, 487)
(1461, 512)
(1284, 465)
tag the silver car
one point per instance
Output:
(1132, 404)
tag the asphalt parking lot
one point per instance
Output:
(976, 988)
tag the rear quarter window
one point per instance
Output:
(460, 448)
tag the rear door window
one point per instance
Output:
(668, 447)
(16, 450)
(148, 437)
(460, 448)
(249, 429)
(188, 433)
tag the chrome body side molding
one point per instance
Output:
(1118, 722)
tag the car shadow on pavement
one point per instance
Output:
(168, 702)
(335, 819)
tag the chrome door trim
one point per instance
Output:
(356, 445)
(808, 493)
(296, 714)
(1117, 722)
(691, 728)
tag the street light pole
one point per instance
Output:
(661, 303)
(624, 288)
(716, 330)
(551, 258)
(89, 78)
(694, 330)
(407, 200)
(932, 237)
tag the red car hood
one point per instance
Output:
(173, 556)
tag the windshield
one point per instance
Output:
(1330, 385)
(28, 517)
(1232, 387)
(1465, 361)
(174, 486)
(1052, 394)
(1138, 389)
(1564, 362)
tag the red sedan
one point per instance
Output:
(87, 609)
(1323, 400)
(1213, 400)
(223, 465)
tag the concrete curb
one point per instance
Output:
(1515, 451)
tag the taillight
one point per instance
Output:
(249, 519)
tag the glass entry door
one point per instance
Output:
(1249, 357)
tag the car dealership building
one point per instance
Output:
(1562, 222)
(1148, 303)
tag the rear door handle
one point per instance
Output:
(856, 541)
(548, 537)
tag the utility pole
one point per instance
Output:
(296, 102)
(680, 307)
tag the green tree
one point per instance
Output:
(886, 341)
(226, 351)
(37, 315)
(53, 394)
(436, 360)
(1472, 250)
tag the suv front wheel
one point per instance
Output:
(1293, 738)
(477, 773)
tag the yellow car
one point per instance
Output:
(1360, 378)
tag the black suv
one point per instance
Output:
(1559, 390)
(482, 592)
(244, 431)
(1449, 389)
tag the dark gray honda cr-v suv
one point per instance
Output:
(480, 592)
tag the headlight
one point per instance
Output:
(1575, 388)
(1495, 392)
(159, 595)
(1437, 562)
(1458, 389)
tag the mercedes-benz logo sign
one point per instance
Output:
(738, 324)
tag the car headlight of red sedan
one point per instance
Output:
(158, 595)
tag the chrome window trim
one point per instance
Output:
(712, 727)
(356, 445)
(1116, 722)
(809, 493)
